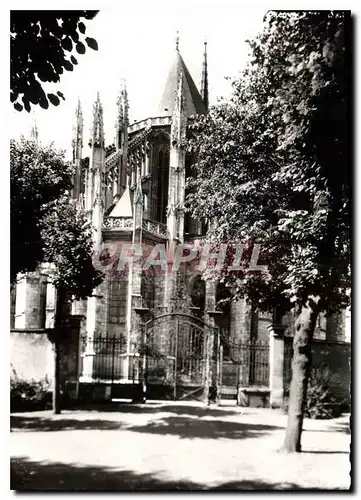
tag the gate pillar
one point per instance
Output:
(140, 395)
(212, 353)
(215, 359)
(276, 367)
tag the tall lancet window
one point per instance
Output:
(163, 172)
(118, 290)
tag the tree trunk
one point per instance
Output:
(56, 386)
(305, 323)
(60, 315)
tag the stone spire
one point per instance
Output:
(78, 128)
(178, 128)
(176, 183)
(121, 136)
(94, 186)
(77, 144)
(34, 130)
(97, 131)
(204, 82)
(119, 124)
(123, 116)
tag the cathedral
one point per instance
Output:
(173, 331)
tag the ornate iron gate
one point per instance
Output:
(179, 359)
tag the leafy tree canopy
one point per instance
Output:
(46, 224)
(68, 244)
(273, 164)
(38, 176)
(42, 46)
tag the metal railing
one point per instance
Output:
(104, 359)
(248, 364)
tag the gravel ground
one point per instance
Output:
(173, 446)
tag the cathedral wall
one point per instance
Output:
(239, 327)
(116, 305)
(101, 309)
(263, 322)
(29, 301)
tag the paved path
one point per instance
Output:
(174, 446)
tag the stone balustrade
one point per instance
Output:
(117, 223)
(149, 122)
(126, 223)
(155, 227)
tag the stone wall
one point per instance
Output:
(32, 358)
(334, 355)
(263, 323)
(101, 314)
(337, 357)
(31, 354)
(331, 327)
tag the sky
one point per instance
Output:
(137, 42)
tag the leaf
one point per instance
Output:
(67, 65)
(80, 48)
(75, 36)
(44, 102)
(67, 44)
(54, 99)
(93, 44)
(26, 104)
(81, 27)
(18, 106)
(73, 60)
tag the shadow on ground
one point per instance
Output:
(199, 411)
(208, 429)
(34, 476)
(183, 427)
(44, 424)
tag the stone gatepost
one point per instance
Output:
(89, 353)
(71, 358)
(210, 365)
(276, 362)
(140, 396)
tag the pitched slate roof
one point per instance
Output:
(124, 206)
(192, 99)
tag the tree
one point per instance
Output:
(273, 167)
(48, 226)
(67, 243)
(38, 176)
(41, 45)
